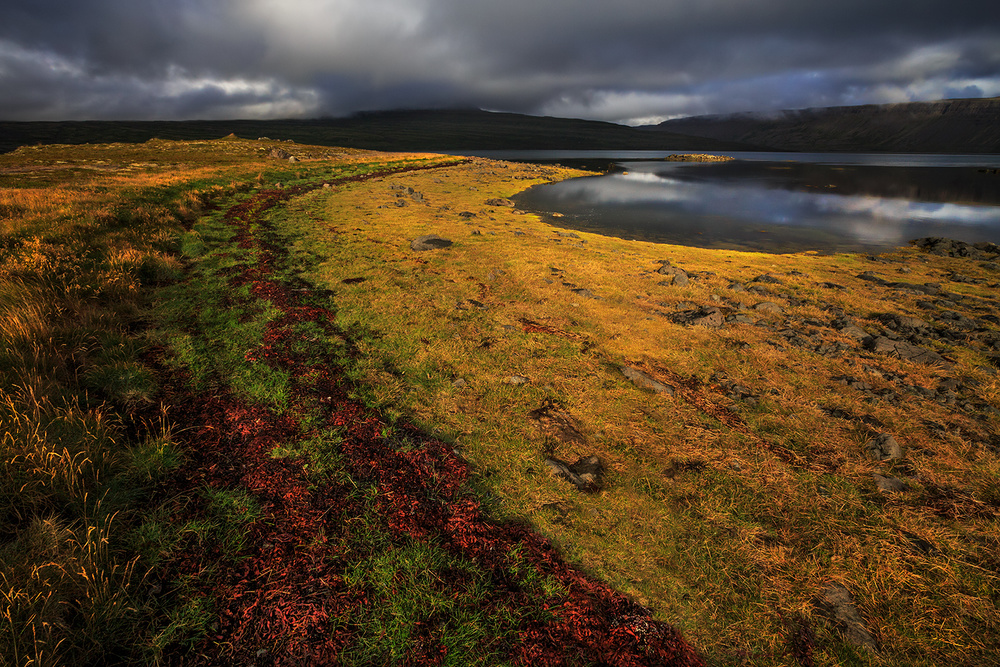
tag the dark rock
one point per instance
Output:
(737, 287)
(883, 447)
(500, 201)
(584, 292)
(676, 276)
(466, 214)
(280, 154)
(704, 317)
(767, 278)
(953, 248)
(587, 474)
(872, 278)
(644, 381)
(837, 604)
(769, 307)
(832, 286)
(889, 484)
(905, 350)
(429, 242)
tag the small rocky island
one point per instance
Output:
(697, 157)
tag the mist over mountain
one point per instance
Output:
(946, 126)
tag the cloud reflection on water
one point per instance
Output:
(740, 212)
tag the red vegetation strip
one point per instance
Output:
(285, 594)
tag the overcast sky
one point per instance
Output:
(629, 61)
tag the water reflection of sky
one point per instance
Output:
(657, 206)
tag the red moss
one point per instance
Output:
(284, 593)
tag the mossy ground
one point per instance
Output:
(729, 506)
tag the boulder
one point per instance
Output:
(675, 276)
(883, 447)
(769, 307)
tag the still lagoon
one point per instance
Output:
(774, 202)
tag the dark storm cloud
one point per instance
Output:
(627, 60)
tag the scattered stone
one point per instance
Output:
(883, 447)
(280, 154)
(903, 323)
(769, 307)
(837, 604)
(767, 278)
(852, 382)
(846, 326)
(460, 383)
(429, 242)
(584, 292)
(587, 474)
(644, 381)
(500, 201)
(834, 286)
(871, 277)
(889, 484)
(470, 304)
(704, 317)
(293, 159)
(952, 248)
(737, 287)
(466, 214)
(906, 351)
(568, 235)
(516, 380)
(675, 276)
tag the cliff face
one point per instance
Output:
(949, 126)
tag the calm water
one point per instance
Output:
(776, 202)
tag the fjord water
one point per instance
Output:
(776, 202)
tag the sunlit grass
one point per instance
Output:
(740, 542)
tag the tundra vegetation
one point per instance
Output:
(264, 403)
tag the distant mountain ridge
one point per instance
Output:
(946, 126)
(422, 130)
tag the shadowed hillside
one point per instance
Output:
(949, 126)
(389, 130)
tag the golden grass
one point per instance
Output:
(84, 230)
(727, 518)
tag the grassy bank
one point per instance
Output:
(734, 500)
(220, 374)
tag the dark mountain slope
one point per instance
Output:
(948, 126)
(437, 130)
